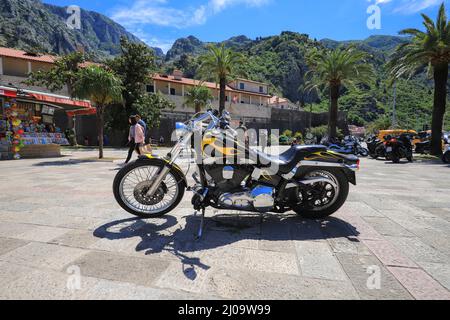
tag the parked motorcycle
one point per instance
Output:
(310, 180)
(446, 155)
(398, 148)
(351, 145)
(376, 147)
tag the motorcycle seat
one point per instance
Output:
(289, 159)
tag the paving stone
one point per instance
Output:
(317, 260)
(245, 285)
(41, 255)
(360, 268)
(420, 284)
(246, 259)
(418, 251)
(184, 276)
(7, 245)
(129, 269)
(388, 227)
(388, 254)
(439, 271)
(42, 233)
(361, 208)
(76, 239)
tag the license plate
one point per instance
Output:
(389, 149)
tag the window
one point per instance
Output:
(261, 89)
(226, 98)
(173, 91)
(150, 88)
(242, 86)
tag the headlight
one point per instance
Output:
(181, 129)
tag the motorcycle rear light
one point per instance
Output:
(358, 164)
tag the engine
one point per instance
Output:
(261, 198)
(228, 178)
(232, 193)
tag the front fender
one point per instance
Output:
(161, 162)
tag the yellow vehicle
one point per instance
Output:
(395, 133)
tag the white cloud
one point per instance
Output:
(408, 6)
(160, 13)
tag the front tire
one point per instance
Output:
(311, 210)
(135, 202)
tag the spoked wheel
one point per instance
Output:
(322, 199)
(133, 182)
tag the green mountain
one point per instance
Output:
(33, 25)
(280, 61)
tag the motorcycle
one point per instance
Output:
(398, 148)
(351, 145)
(376, 147)
(310, 180)
(446, 155)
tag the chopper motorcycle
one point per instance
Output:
(310, 180)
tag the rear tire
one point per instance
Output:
(134, 165)
(308, 212)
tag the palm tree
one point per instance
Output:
(198, 97)
(334, 70)
(222, 64)
(102, 87)
(430, 48)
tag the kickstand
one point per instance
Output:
(202, 222)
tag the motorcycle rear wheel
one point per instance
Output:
(310, 209)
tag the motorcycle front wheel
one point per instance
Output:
(133, 182)
(324, 198)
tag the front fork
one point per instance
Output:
(173, 156)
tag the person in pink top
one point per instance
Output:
(136, 137)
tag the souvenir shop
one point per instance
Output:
(29, 125)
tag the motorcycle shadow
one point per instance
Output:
(176, 235)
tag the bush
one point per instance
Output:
(287, 133)
(299, 137)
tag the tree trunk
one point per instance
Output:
(223, 85)
(333, 117)
(100, 121)
(198, 108)
(440, 100)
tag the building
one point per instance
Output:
(282, 103)
(44, 115)
(244, 98)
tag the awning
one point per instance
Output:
(8, 93)
(60, 100)
(82, 112)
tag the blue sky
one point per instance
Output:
(161, 22)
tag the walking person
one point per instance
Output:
(144, 125)
(136, 137)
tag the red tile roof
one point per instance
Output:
(20, 54)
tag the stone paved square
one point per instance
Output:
(59, 219)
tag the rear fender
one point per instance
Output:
(348, 164)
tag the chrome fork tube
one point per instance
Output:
(174, 153)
